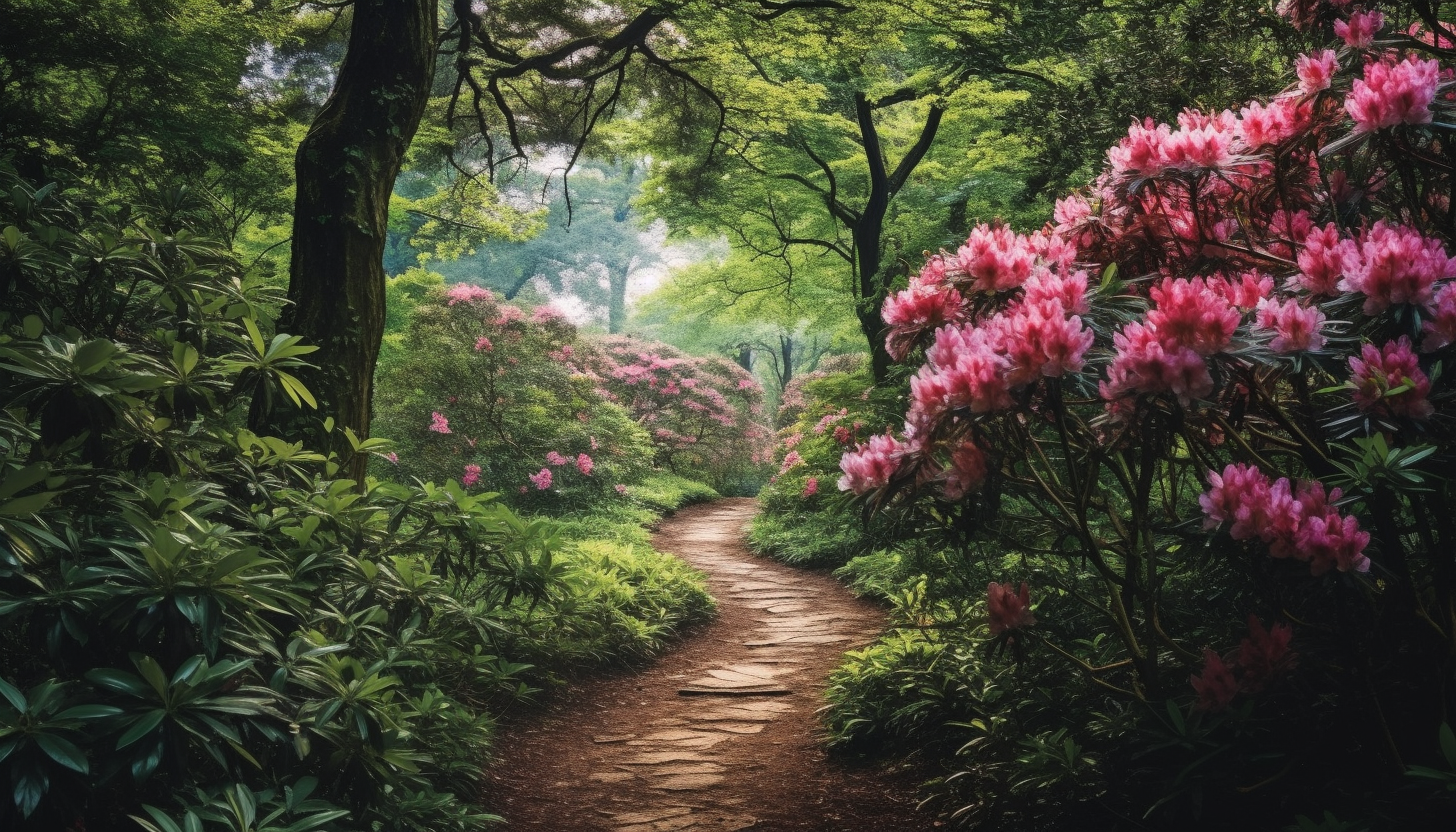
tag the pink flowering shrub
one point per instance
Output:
(476, 389)
(704, 415)
(1241, 322)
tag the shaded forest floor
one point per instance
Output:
(720, 734)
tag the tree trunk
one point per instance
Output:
(346, 170)
(786, 351)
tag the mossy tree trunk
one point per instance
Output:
(346, 169)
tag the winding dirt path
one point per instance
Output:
(721, 733)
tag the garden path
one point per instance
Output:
(720, 734)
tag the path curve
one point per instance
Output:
(721, 733)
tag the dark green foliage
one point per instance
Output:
(206, 629)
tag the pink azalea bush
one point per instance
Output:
(1241, 321)
(480, 396)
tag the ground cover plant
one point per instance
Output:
(205, 627)
(1192, 438)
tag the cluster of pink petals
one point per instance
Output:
(1200, 142)
(1262, 656)
(926, 304)
(1316, 71)
(438, 423)
(1263, 126)
(871, 465)
(1247, 292)
(1359, 31)
(1147, 363)
(483, 344)
(1393, 92)
(1038, 339)
(547, 314)
(1007, 608)
(1193, 314)
(584, 464)
(1440, 324)
(829, 419)
(811, 487)
(791, 459)
(842, 435)
(1295, 522)
(471, 476)
(1324, 259)
(620, 489)
(541, 479)
(554, 458)
(1389, 379)
(467, 293)
(1296, 328)
(1397, 265)
(966, 473)
(993, 259)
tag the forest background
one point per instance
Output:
(511, 278)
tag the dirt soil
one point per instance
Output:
(721, 733)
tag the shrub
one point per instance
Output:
(1204, 412)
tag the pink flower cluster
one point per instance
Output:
(584, 464)
(871, 465)
(1298, 522)
(1393, 92)
(541, 479)
(1007, 608)
(791, 459)
(1296, 328)
(811, 487)
(1390, 380)
(438, 423)
(1316, 71)
(1440, 324)
(927, 304)
(467, 293)
(471, 476)
(554, 458)
(1396, 265)
(1359, 31)
(1262, 656)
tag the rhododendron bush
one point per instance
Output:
(704, 415)
(485, 393)
(1208, 399)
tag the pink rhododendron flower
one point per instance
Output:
(1390, 379)
(791, 459)
(1392, 93)
(1216, 686)
(1262, 125)
(1147, 363)
(1440, 323)
(1359, 31)
(471, 477)
(438, 423)
(811, 487)
(584, 464)
(392, 457)
(467, 293)
(541, 479)
(994, 259)
(1300, 523)
(1070, 290)
(554, 458)
(1316, 70)
(920, 308)
(620, 488)
(1264, 654)
(1007, 608)
(967, 370)
(842, 435)
(1192, 315)
(547, 314)
(1397, 265)
(967, 471)
(1324, 260)
(792, 440)
(483, 344)
(870, 465)
(1296, 328)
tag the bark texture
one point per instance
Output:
(346, 170)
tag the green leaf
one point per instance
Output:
(142, 727)
(63, 752)
(29, 504)
(13, 696)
